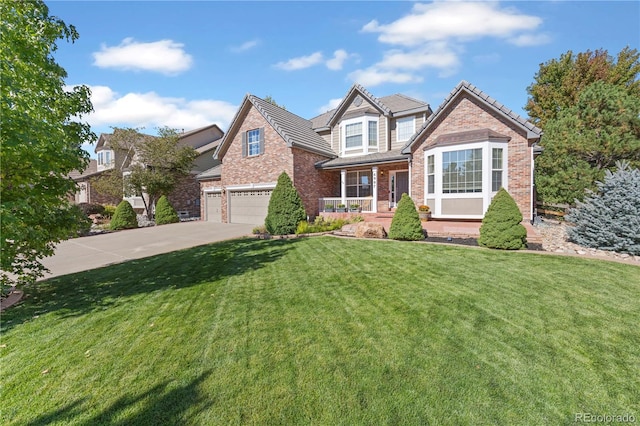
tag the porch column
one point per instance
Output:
(374, 182)
(343, 186)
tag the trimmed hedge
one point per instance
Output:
(406, 224)
(124, 217)
(286, 210)
(165, 213)
(501, 227)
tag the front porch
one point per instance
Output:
(436, 227)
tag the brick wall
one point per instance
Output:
(311, 183)
(263, 168)
(466, 113)
(186, 196)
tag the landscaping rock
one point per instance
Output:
(370, 230)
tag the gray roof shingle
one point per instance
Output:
(361, 160)
(465, 86)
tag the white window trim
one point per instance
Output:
(364, 149)
(486, 195)
(403, 120)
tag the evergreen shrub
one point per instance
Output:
(501, 227)
(610, 218)
(286, 210)
(406, 224)
(124, 217)
(165, 213)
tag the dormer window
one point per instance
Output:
(360, 135)
(105, 159)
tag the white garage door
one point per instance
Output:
(249, 206)
(214, 207)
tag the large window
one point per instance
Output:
(462, 171)
(405, 128)
(360, 135)
(253, 142)
(496, 169)
(359, 184)
(431, 175)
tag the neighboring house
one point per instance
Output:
(369, 151)
(185, 198)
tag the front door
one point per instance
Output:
(399, 184)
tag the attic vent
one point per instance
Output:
(357, 101)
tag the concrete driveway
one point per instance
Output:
(82, 254)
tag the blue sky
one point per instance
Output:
(189, 64)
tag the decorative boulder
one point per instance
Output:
(370, 230)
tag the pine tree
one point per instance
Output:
(165, 213)
(501, 227)
(610, 218)
(124, 217)
(406, 224)
(286, 210)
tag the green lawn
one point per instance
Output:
(326, 331)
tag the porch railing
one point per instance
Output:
(365, 204)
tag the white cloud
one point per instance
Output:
(300, 62)
(333, 103)
(530, 39)
(151, 110)
(374, 76)
(453, 21)
(164, 56)
(336, 63)
(247, 45)
(433, 55)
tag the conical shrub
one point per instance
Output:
(165, 213)
(501, 227)
(286, 210)
(406, 224)
(124, 217)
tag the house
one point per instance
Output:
(186, 196)
(369, 151)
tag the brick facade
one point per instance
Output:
(466, 113)
(186, 196)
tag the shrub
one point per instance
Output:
(124, 217)
(83, 221)
(610, 219)
(259, 230)
(109, 210)
(165, 213)
(406, 224)
(501, 227)
(91, 208)
(286, 210)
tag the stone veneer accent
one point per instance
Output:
(465, 113)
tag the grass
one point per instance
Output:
(326, 331)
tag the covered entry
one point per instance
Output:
(249, 206)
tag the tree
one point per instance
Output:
(585, 139)
(610, 218)
(406, 224)
(124, 217)
(272, 101)
(559, 82)
(501, 227)
(158, 163)
(285, 210)
(41, 139)
(165, 213)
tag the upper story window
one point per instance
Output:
(360, 135)
(405, 128)
(253, 142)
(105, 158)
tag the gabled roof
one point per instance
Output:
(295, 130)
(531, 130)
(364, 160)
(389, 106)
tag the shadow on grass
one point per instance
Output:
(83, 292)
(163, 404)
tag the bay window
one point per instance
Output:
(360, 135)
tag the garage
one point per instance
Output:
(213, 208)
(249, 206)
